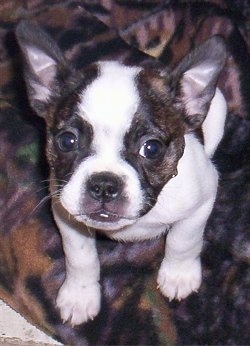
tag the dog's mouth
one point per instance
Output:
(103, 215)
(103, 219)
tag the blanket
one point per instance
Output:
(32, 269)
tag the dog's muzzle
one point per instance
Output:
(105, 191)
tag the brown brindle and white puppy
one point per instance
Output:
(125, 159)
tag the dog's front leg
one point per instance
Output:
(79, 297)
(180, 271)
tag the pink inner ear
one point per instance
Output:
(44, 69)
(201, 75)
(193, 83)
(190, 91)
(40, 92)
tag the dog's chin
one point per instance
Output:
(105, 221)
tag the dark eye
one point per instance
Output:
(67, 141)
(151, 149)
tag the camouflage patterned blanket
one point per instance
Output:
(31, 259)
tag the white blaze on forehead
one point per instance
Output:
(110, 101)
(109, 104)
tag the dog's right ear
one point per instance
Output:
(43, 63)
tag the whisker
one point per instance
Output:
(48, 187)
(42, 188)
(54, 179)
(45, 199)
(69, 175)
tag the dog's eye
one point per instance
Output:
(67, 141)
(151, 149)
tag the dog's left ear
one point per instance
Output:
(195, 79)
(44, 62)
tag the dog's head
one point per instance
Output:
(115, 133)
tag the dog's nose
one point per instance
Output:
(104, 186)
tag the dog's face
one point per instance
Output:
(115, 132)
(108, 141)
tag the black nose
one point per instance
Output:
(104, 186)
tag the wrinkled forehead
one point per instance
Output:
(111, 100)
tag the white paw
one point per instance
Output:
(178, 280)
(78, 304)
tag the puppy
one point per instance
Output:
(129, 150)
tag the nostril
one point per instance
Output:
(104, 186)
(96, 190)
(112, 190)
